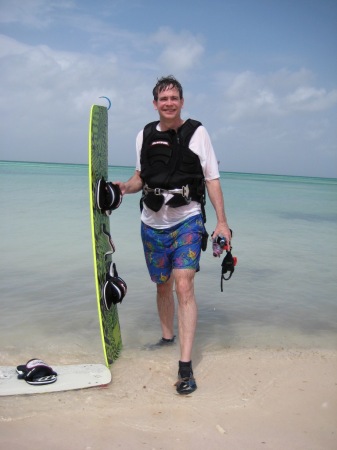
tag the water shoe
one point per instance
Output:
(186, 385)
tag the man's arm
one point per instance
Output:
(133, 185)
(216, 196)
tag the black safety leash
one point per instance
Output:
(228, 265)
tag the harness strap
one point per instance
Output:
(184, 191)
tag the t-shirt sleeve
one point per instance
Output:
(139, 143)
(201, 145)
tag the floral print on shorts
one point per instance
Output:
(178, 247)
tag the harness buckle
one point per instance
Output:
(157, 191)
(185, 191)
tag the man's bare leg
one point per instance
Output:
(187, 311)
(187, 322)
(165, 305)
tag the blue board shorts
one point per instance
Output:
(178, 247)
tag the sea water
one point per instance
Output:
(283, 293)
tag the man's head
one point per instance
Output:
(165, 83)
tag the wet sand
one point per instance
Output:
(246, 399)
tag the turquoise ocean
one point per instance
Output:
(283, 293)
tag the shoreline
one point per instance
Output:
(246, 399)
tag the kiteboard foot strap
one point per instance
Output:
(114, 289)
(35, 371)
(108, 196)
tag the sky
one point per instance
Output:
(261, 75)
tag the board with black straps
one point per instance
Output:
(69, 377)
(100, 230)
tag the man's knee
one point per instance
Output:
(165, 288)
(184, 283)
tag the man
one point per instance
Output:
(172, 174)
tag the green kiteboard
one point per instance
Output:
(98, 168)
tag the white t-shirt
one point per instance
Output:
(167, 216)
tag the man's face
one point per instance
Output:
(169, 104)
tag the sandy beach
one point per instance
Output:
(265, 353)
(246, 399)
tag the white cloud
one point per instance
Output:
(179, 51)
(310, 99)
(46, 99)
(250, 95)
(271, 122)
(257, 121)
(32, 13)
(9, 46)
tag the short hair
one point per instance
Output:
(164, 83)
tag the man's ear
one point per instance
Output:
(155, 104)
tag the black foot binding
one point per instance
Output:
(108, 196)
(24, 368)
(36, 372)
(114, 289)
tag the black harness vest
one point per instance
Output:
(167, 163)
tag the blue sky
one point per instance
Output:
(261, 75)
